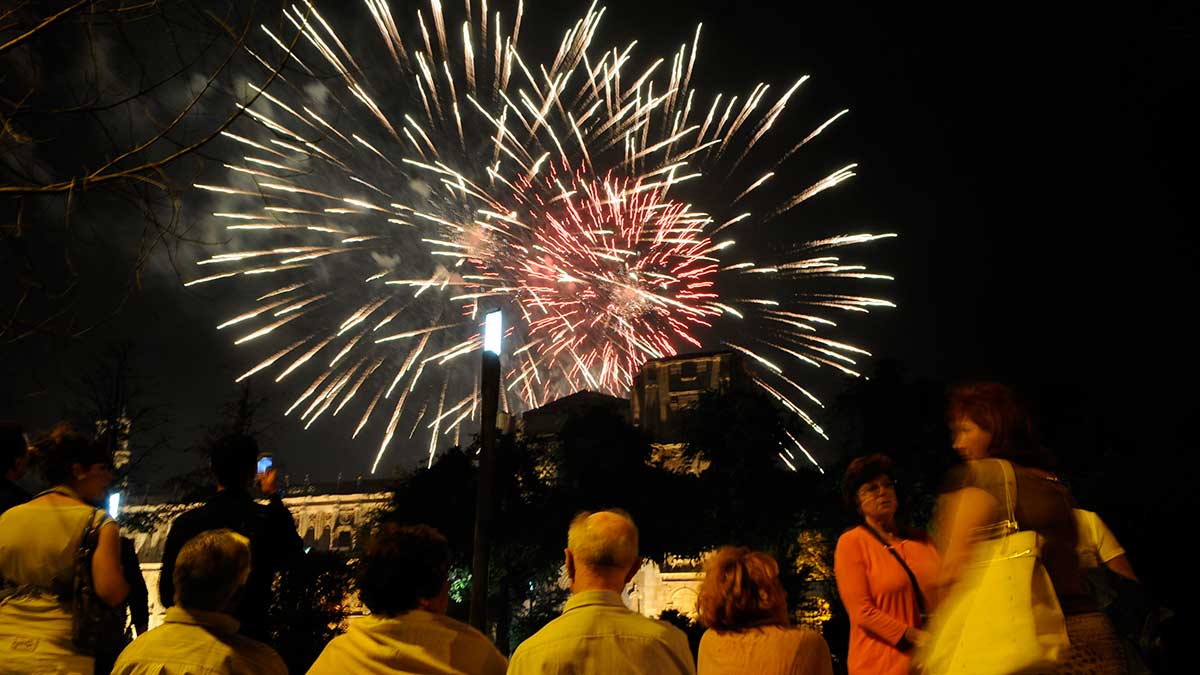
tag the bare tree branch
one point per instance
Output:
(41, 26)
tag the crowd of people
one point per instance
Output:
(67, 576)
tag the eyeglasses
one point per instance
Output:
(877, 488)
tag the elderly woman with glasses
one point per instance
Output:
(885, 573)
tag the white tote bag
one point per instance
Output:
(1002, 616)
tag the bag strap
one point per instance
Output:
(912, 578)
(86, 547)
(1010, 494)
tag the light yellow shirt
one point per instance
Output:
(416, 642)
(768, 650)
(195, 642)
(38, 543)
(598, 634)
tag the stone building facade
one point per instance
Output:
(328, 521)
(325, 520)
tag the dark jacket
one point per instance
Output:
(274, 544)
(139, 597)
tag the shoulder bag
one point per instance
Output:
(1002, 615)
(87, 610)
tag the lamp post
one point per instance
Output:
(489, 389)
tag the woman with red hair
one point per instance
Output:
(885, 573)
(744, 607)
(991, 428)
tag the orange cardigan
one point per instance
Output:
(879, 597)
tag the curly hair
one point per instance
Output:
(401, 566)
(741, 589)
(999, 411)
(63, 447)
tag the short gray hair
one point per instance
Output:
(210, 568)
(605, 539)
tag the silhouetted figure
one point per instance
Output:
(14, 459)
(270, 529)
(129, 620)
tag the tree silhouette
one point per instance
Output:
(106, 107)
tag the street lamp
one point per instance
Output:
(493, 328)
(489, 389)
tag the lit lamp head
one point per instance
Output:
(493, 328)
(114, 504)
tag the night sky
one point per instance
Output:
(1036, 161)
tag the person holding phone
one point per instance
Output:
(274, 542)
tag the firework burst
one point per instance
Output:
(578, 195)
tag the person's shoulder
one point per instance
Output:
(192, 515)
(545, 634)
(1086, 518)
(254, 656)
(559, 634)
(855, 536)
(464, 629)
(986, 474)
(657, 626)
(802, 637)
(627, 621)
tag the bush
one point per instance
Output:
(309, 607)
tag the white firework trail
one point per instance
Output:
(582, 196)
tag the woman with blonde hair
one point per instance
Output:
(40, 566)
(744, 607)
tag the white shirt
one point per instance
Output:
(1096, 545)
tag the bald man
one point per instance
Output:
(596, 632)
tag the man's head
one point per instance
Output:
(14, 450)
(233, 461)
(602, 551)
(405, 568)
(210, 570)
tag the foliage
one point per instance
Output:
(690, 627)
(308, 607)
(241, 415)
(746, 496)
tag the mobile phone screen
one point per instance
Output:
(264, 464)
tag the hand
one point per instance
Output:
(266, 482)
(916, 637)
